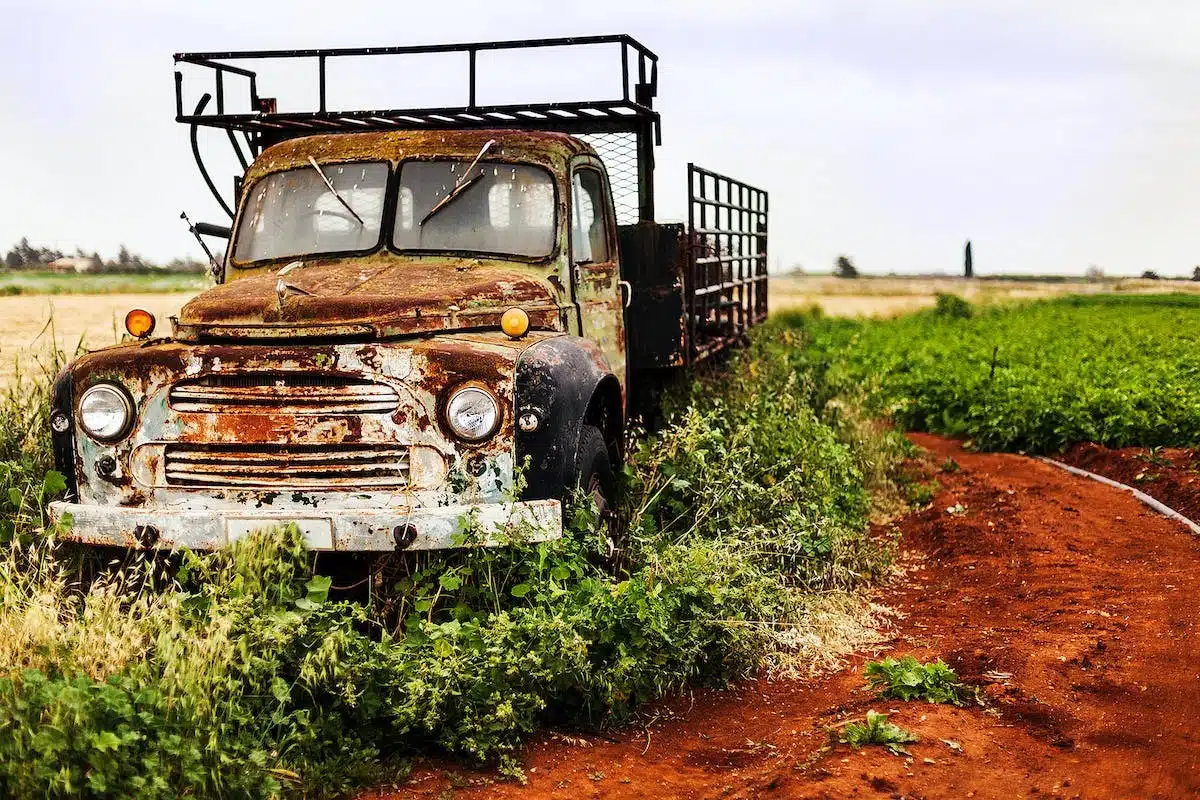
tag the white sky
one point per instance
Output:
(1053, 134)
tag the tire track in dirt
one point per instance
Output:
(1068, 601)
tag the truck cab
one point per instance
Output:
(420, 337)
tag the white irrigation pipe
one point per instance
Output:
(1165, 510)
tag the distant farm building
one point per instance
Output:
(74, 264)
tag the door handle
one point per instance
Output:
(626, 293)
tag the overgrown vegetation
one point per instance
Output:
(239, 675)
(878, 731)
(908, 679)
(1116, 370)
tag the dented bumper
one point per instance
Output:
(351, 530)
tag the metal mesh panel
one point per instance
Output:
(619, 152)
(727, 280)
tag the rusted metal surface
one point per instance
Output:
(236, 455)
(382, 296)
(320, 397)
(329, 529)
(388, 293)
(725, 285)
(543, 148)
(598, 291)
(314, 388)
(286, 392)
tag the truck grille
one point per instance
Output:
(324, 466)
(284, 393)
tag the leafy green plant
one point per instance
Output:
(907, 678)
(1153, 455)
(878, 731)
(921, 493)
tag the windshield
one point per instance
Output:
(501, 209)
(295, 213)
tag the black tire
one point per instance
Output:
(593, 469)
(594, 475)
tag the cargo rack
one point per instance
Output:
(624, 129)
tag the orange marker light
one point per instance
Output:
(140, 323)
(515, 322)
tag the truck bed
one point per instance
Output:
(697, 288)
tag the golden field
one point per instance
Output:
(94, 320)
(889, 296)
(97, 319)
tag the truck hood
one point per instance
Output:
(347, 299)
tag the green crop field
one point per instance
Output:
(1117, 370)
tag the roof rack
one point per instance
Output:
(628, 123)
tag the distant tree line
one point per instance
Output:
(24, 256)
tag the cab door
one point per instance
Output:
(595, 269)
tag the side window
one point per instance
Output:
(589, 223)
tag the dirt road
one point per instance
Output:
(1069, 602)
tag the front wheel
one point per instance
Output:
(593, 467)
(595, 476)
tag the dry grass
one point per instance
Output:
(46, 622)
(94, 319)
(829, 628)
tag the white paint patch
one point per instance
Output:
(318, 533)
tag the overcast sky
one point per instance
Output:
(1055, 135)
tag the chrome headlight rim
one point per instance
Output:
(467, 392)
(126, 402)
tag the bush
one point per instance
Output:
(877, 730)
(952, 306)
(77, 737)
(909, 679)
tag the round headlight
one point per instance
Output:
(105, 412)
(472, 413)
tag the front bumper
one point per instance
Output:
(338, 530)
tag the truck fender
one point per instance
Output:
(62, 401)
(566, 382)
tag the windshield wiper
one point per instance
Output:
(463, 183)
(334, 192)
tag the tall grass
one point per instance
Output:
(746, 547)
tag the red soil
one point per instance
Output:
(1170, 475)
(1068, 601)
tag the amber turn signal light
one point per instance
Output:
(140, 323)
(515, 322)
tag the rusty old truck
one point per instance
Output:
(428, 326)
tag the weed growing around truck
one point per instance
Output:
(242, 676)
(1116, 370)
